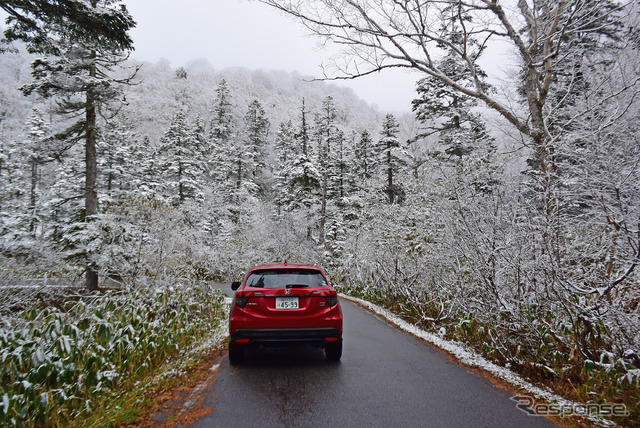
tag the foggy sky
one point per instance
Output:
(249, 34)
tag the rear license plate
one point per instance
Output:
(287, 303)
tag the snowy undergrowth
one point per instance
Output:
(144, 393)
(60, 365)
(471, 358)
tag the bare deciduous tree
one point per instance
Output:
(379, 34)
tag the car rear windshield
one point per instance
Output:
(286, 278)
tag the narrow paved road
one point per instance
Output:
(386, 378)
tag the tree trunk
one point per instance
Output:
(538, 131)
(323, 208)
(91, 173)
(389, 174)
(32, 195)
(181, 192)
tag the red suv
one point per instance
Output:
(283, 302)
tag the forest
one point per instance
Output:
(503, 215)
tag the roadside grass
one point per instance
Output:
(543, 362)
(88, 361)
(138, 401)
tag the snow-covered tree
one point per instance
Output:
(303, 188)
(232, 159)
(326, 135)
(325, 129)
(183, 164)
(284, 146)
(335, 243)
(387, 34)
(342, 167)
(13, 193)
(392, 159)
(34, 21)
(80, 75)
(24, 182)
(440, 107)
(365, 159)
(222, 126)
(36, 151)
(200, 139)
(147, 161)
(257, 131)
(116, 171)
(221, 135)
(66, 231)
(447, 115)
(303, 132)
(303, 185)
(181, 73)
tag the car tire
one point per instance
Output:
(236, 354)
(333, 351)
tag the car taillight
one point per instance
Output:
(241, 300)
(332, 300)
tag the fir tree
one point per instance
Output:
(327, 135)
(200, 140)
(303, 187)
(34, 21)
(303, 134)
(148, 171)
(342, 168)
(256, 141)
(181, 73)
(79, 76)
(365, 160)
(284, 145)
(39, 137)
(222, 132)
(303, 177)
(67, 231)
(23, 184)
(183, 163)
(448, 114)
(335, 243)
(392, 158)
(231, 159)
(222, 122)
(446, 111)
(12, 196)
(115, 166)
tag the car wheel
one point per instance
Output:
(236, 354)
(333, 351)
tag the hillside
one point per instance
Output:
(158, 93)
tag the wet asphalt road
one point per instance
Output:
(386, 378)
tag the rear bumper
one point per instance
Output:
(319, 335)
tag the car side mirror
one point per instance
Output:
(235, 285)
